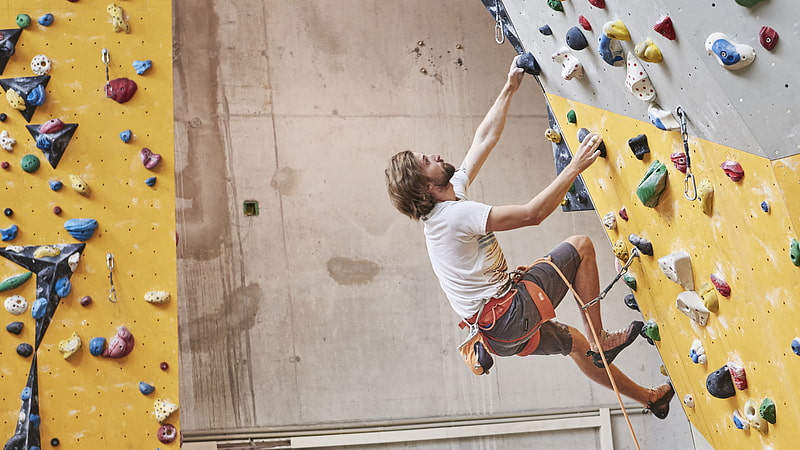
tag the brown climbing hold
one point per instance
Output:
(733, 170)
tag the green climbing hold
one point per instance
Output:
(794, 252)
(23, 20)
(767, 410)
(15, 281)
(555, 5)
(30, 163)
(653, 184)
(630, 281)
(748, 3)
(651, 330)
(571, 117)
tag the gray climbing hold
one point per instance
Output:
(25, 350)
(15, 327)
(583, 132)
(528, 62)
(575, 39)
(644, 246)
(720, 384)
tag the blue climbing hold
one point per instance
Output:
(796, 346)
(545, 30)
(765, 206)
(43, 142)
(97, 346)
(611, 51)
(46, 20)
(150, 181)
(56, 185)
(81, 229)
(10, 233)
(63, 287)
(142, 66)
(146, 388)
(35, 421)
(126, 136)
(39, 308)
(26, 393)
(36, 96)
(575, 39)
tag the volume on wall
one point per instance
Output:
(695, 102)
(88, 277)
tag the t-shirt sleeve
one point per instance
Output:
(469, 218)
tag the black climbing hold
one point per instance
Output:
(545, 30)
(639, 146)
(57, 141)
(644, 246)
(25, 350)
(583, 132)
(15, 327)
(3, 117)
(8, 43)
(630, 302)
(528, 62)
(23, 86)
(720, 384)
(54, 442)
(575, 39)
(8, 212)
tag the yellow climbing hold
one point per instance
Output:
(163, 409)
(15, 100)
(621, 251)
(648, 51)
(616, 30)
(709, 296)
(45, 251)
(156, 296)
(552, 135)
(79, 185)
(68, 347)
(118, 22)
(705, 194)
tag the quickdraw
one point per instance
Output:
(622, 271)
(689, 192)
(499, 36)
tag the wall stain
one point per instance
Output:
(347, 271)
(284, 180)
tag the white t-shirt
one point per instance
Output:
(468, 261)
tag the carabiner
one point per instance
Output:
(499, 36)
(112, 293)
(689, 193)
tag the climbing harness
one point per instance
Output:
(689, 193)
(622, 271)
(112, 293)
(104, 57)
(499, 36)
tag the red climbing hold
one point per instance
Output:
(722, 286)
(768, 38)
(733, 170)
(598, 3)
(664, 27)
(679, 159)
(585, 23)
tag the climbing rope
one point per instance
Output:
(583, 306)
(499, 36)
(689, 193)
(622, 271)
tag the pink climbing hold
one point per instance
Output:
(768, 38)
(121, 344)
(664, 27)
(733, 170)
(120, 89)
(598, 3)
(623, 214)
(679, 160)
(149, 158)
(721, 285)
(51, 126)
(585, 23)
(738, 375)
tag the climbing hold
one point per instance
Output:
(665, 28)
(796, 346)
(639, 146)
(45, 251)
(167, 433)
(555, 5)
(163, 409)
(644, 246)
(767, 410)
(721, 285)
(156, 296)
(46, 20)
(16, 304)
(68, 347)
(151, 181)
(15, 100)
(585, 23)
(733, 170)
(719, 383)
(120, 89)
(15, 281)
(679, 161)
(748, 3)
(39, 308)
(55, 442)
(86, 300)
(678, 268)
(571, 117)
(552, 135)
(15, 327)
(149, 158)
(630, 280)
(621, 251)
(63, 287)
(637, 82)
(653, 184)
(8, 212)
(5, 164)
(737, 375)
(6, 141)
(650, 330)
(23, 20)
(118, 22)
(611, 51)
(24, 350)
(37, 96)
(26, 393)
(705, 194)
(10, 233)
(794, 251)
(739, 421)
(163, 366)
(689, 303)
(97, 346)
(528, 62)
(41, 65)
(126, 136)
(598, 3)
(610, 220)
(630, 302)
(146, 388)
(79, 185)
(697, 352)
(648, 51)
(616, 30)
(575, 39)
(623, 214)
(768, 38)
(583, 132)
(545, 30)
(142, 66)
(81, 229)
(120, 345)
(765, 206)
(729, 54)
(570, 66)
(73, 260)
(30, 163)
(57, 210)
(751, 415)
(688, 400)
(709, 296)
(661, 118)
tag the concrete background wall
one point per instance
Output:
(323, 309)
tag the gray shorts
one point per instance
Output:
(522, 314)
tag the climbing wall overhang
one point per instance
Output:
(94, 224)
(740, 232)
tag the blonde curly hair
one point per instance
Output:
(407, 186)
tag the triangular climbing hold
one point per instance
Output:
(23, 86)
(51, 139)
(8, 44)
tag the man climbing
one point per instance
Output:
(512, 309)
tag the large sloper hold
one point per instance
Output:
(653, 184)
(678, 268)
(8, 45)
(26, 434)
(719, 383)
(23, 86)
(52, 138)
(689, 303)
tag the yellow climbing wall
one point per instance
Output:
(90, 401)
(754, 327)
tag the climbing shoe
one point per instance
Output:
(615, 342)
(660, 406)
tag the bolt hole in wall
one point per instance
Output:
(250, 207)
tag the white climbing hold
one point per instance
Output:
(678, 268)
(691, 304)
(156, 296)
(729, 54)
(163, 409)
(571, 67)
(16, 304)
(662, 118)
(41, 65)
(6, 141)
(637, 81)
